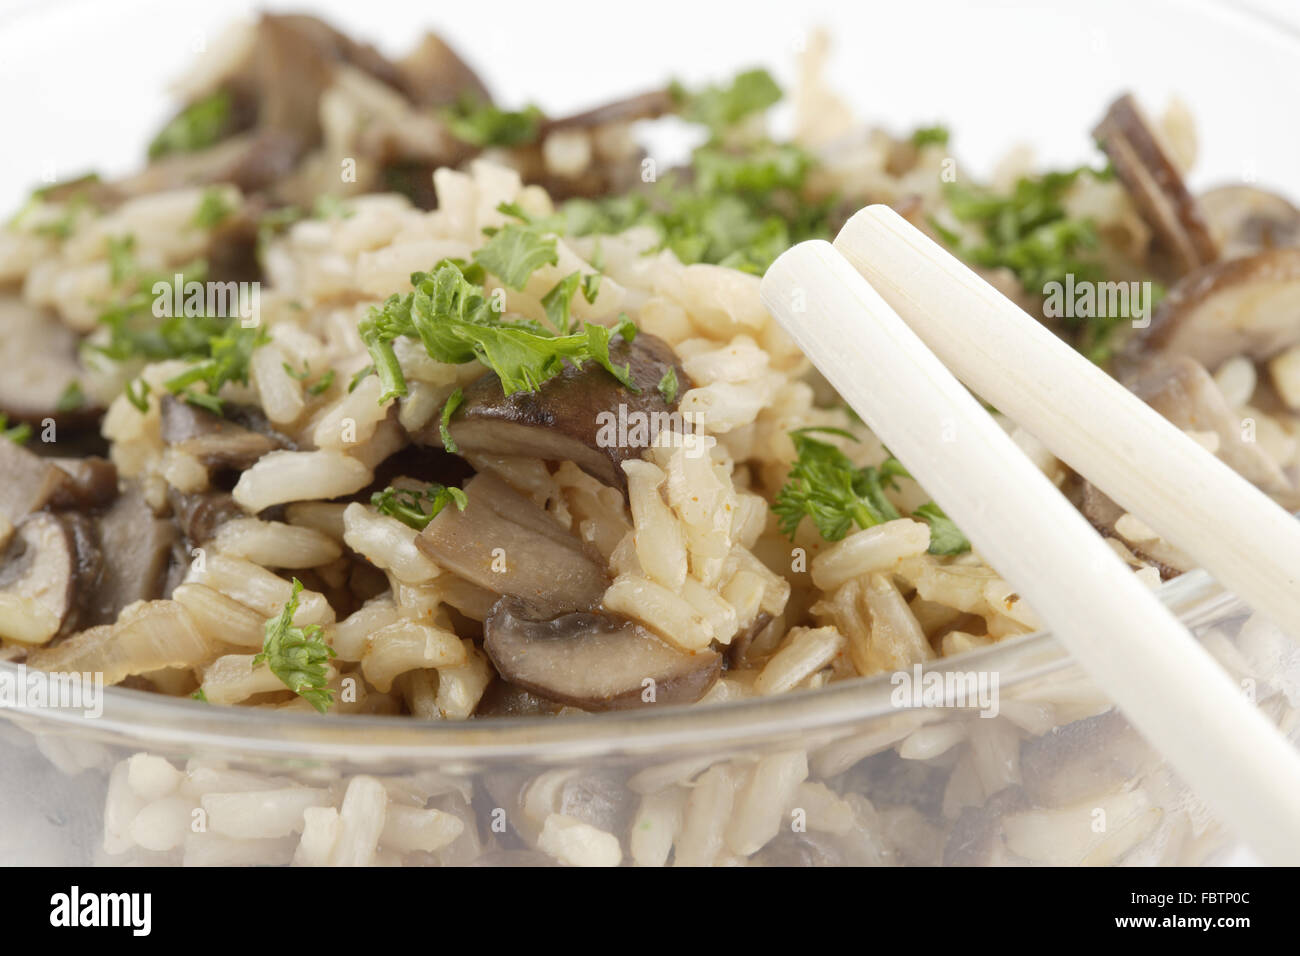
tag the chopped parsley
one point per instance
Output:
(321, 386)
(558, 302)
(825, 486)
(228, 356)
(945, 537)
(482, 124)
(298, 656)
(740, 207)
(668, 385)
(455, 321)
(721, 107)
(1030, 232)
(359, 377)
(930, 136)
(71, 398)
(198, 126)
(121, 258)
(449, 407)
(408, 505)
(214, 209)
(331, 207)
(137, 393)
(18, 434)
(517, 250)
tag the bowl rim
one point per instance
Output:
(145, 718)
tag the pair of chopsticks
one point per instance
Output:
(888, 316)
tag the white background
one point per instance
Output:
(83, 82)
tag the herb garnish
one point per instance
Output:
(827, 487)
(408, 505)
(456, 322)
(298, 656)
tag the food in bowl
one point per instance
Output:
(368, 395)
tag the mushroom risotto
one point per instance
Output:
(370, 395)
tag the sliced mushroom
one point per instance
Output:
(593, 660)
(1083, 760)
(27, 481)
(504, 699)
(566, 419)
(138, 546)
(1247, 306)
(1155, 185)
(1104, 514)
(38, 574)
(200, 515)
(505, 543)
(433, 74)
(1247, 219)
(89, 483)
(32, 391)
(643, 106)
(233, 442)
(1182, 391)
(976, 837)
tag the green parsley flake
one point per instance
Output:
(825, 486)
(298, 656)
(214, 209)
(668, 385)
(408, 505)
(198, 126)
(482, 124)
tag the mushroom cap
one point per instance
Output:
(1155, 185)
(593, 660)
(1246, 219)
(37, 576)
(1248, 306)
(562, 420)
(30, 391)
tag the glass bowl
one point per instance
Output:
(856, 773)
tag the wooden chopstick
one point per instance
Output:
(1113, 625)
(1087, 419)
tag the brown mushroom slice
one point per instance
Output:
(1155, 185)
(567, 419)
(1247, 306)
(1103, 514)
(643, 106)
(27, 481)
(31, 391)
(1087, 759)
(506, 544)
(38, 573)
(215, 441)
(1182, 391)
(138, 546)
(433, 74)
(1247, 219)
(199, 515)
(89, 483)
(593, 660)
(504, 699)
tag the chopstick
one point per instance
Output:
(1087, 419)
(1114, 626)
